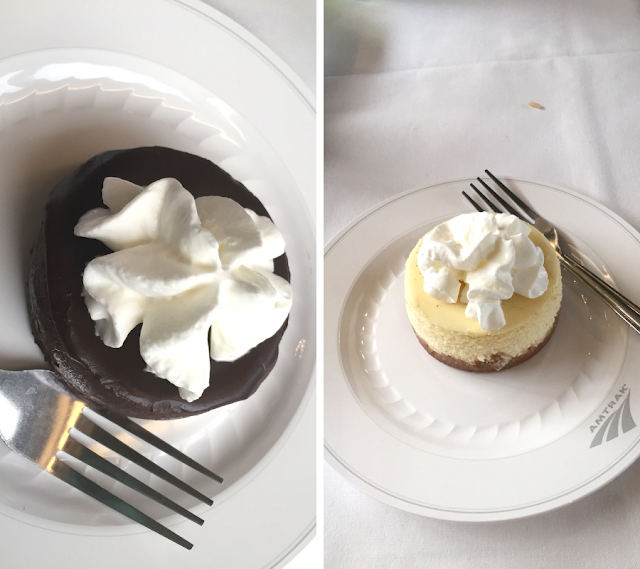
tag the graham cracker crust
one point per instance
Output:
(497, 362)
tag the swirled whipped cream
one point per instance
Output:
(492, 255)
(197, 273)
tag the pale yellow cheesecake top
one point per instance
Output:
(451, 317)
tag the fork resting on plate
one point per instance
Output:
(620, 304)
(36, 421)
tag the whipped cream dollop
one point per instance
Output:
(197, 273)
(492, 255)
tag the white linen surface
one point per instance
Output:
(418, 93)
(425, 92)
(287, 27)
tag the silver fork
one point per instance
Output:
(37, 420)
(620, 304)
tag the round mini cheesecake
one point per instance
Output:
(449, 336)
(116, 378)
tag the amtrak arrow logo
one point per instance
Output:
(611, 422)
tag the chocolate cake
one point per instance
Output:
(116, 379)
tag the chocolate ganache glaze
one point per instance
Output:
(111, 378)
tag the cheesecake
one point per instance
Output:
(512, 329)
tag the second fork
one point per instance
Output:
(620, 304)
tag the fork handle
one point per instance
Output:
(619, 303)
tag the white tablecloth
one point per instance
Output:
(418, 93)
(287, 27)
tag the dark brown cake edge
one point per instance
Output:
(496, 362)
(42, 325)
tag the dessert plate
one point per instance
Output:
(119, 87)
(449, 444)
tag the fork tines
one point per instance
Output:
(506, 205)
(46, 425)
(77, 450)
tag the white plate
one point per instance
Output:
(444, 443)
(121, 86)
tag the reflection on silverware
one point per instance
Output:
(38, 420)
